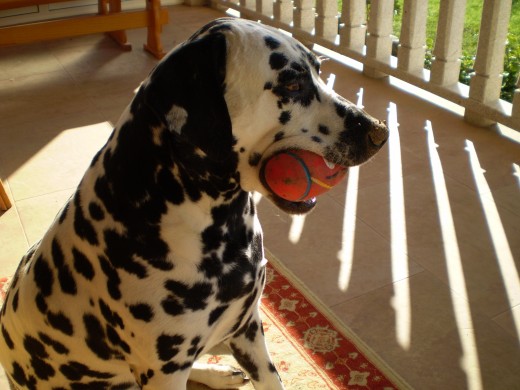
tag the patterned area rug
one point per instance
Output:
(310, 347)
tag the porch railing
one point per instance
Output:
(369, 40)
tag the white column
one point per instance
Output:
(379, 42)
(327, 19)
(304, 14)
(412, 42)
(283, 10)
(448, 44)
(486, 82)
(352, 35)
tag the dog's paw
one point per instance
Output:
(218, 376)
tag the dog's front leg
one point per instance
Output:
(249, 349)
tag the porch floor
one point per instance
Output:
(420, 261)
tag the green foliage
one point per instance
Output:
(470, 41)
(511, 67)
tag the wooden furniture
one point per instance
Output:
(110, 19)
(5, 203)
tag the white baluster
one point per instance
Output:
(448, 44)
(486, 82)
(265, 7)
(412, 42)
(283, 10)
(379, 42)
(304, 14)
(327, 19)
(352, 35)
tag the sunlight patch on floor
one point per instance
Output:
(503, 253)
(462, 312)
(399, 248)
(346, 253)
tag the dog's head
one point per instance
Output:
(238, 89)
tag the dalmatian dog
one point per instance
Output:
(158, 257)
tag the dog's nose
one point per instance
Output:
(378, 134)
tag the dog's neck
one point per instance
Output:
(142, 168)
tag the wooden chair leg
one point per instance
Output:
(153, 44)
(5, 203)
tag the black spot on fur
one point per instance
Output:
(192, 351)
(75, 371)
(172, 306)
(194, 297)
(19, 376)
(277, 60)
(142, 311)
(251, 331)
(211, 266)
(268, 86)
(305, 131)
(297, 67)
(170, 368)
(7, 338)
(61, 322)
(285, 117)
(116, 340)
(167, 346)
(341, 110)
(82, 264)
(113, 279)
(271, 42)
(96, 212)
(43, 276)
(56, 345)
(246, 361)
(96, 337)
(279, 136)
(216, 314)
(15, 301)
(34, 347)
(110, 316)
(121, 254)
(323, 130)
(67, 282)
(64, 213)
(254, 159)
(41, 304)
(42, 369)
(316, 139)
(82, 226)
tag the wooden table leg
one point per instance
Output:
(153, 44)
(5, 203)
(111, 6)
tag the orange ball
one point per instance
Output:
(299, 175)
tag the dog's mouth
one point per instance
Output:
(300, 206)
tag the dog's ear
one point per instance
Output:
(186, 90)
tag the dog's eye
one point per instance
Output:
(293, 87)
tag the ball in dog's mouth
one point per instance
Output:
(296, 177)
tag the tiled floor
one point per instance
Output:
(420, 260)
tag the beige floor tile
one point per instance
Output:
(37, 213)
(367, 268)
(13, 241)
(507, 321)
(424, 237)
(27, 60)
(433, 358)
(60, 164)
